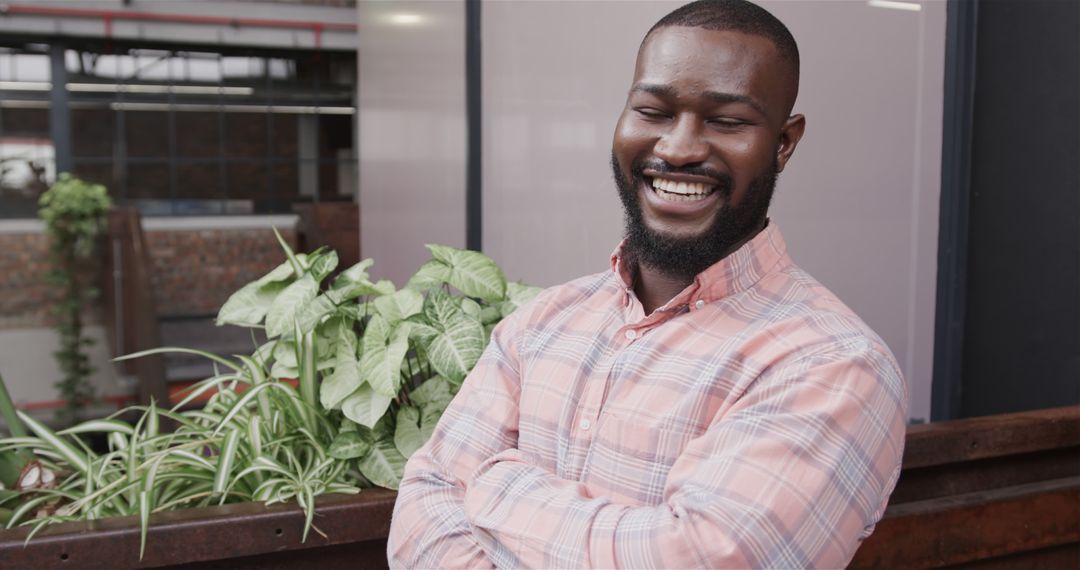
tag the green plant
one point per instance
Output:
(74, 213)
(16, 465)
(374, 368)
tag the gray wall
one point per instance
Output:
(411, 126)
(857, 204)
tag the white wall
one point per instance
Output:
(30, 370)
(411, 125)
(857, 204)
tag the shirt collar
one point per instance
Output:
(735, 273)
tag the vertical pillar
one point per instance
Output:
(59, 110)
(473, 190)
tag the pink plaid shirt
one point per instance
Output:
(753, 421)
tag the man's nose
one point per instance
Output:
(682, 144)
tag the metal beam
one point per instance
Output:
(473, 185)
(959, 109)
(59, 110)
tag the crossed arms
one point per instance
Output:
(794, 475)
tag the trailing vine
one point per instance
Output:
(74, 215)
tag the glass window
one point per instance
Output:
(182, 131)
(27, 155)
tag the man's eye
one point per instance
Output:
(726, 122)
(651, 113)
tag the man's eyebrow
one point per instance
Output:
(714, 96)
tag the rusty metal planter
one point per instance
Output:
(245, 535)
(993, 492)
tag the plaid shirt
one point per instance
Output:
(752, 421)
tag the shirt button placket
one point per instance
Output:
(630, 334)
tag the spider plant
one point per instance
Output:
(231, 450)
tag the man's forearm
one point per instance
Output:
(430, 529)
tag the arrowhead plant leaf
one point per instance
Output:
(248, 306)
(384, 348)
(471, 272)
(289, 305)
(384, 464)
(365, 406)
(431, 274)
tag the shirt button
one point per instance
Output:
(699, 304)
(631, 334)
(585, 424)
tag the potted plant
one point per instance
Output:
(346, 379)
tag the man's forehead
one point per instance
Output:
(711, 60)
(679, 44)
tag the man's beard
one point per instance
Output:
(685, 257)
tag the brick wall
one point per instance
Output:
(195, 271)
(25, 298)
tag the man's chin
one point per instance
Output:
(688, 236)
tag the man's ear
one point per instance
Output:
(790, 135)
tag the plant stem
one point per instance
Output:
(7, 409)
(308, 375)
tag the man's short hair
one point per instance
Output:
(736, 16)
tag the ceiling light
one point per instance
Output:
(405, 19)
(895, 5)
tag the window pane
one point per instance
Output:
(347, 182)
(25, 172)
(98, 173)
(15, 66)
(148, 181)
(247, 180)
(328, 179)
(197, 134)
(199, 181)
(285, 135)
(24, 122)
(147, 133)
(286, 179)
(245, 135)
(335, 134)
(92, 132)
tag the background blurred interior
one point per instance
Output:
(936, 191)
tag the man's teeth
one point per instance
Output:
(680, 191)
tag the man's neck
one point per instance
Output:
(654, 288)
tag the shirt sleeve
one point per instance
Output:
(794, 475)
(429, 528)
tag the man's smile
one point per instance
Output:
(677, 193)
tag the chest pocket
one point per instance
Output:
(630, 458)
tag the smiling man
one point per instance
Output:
(704, 403)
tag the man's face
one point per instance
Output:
(698, 146)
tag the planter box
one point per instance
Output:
(999, 491)
(243, 535)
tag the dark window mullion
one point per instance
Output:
(223, 175)
(269, 173)
(172, 134)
